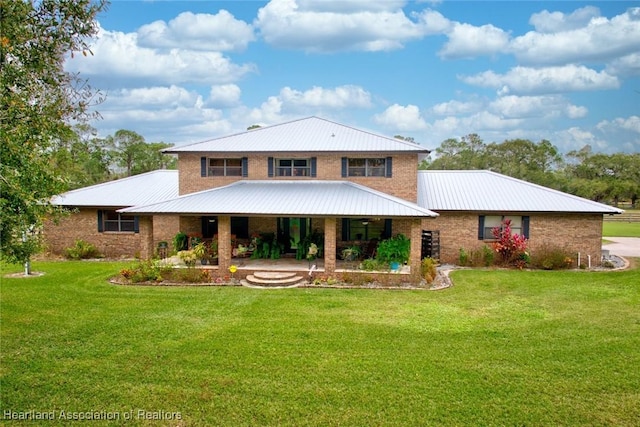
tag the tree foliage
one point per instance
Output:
(38, 101)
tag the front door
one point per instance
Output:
(291, 231)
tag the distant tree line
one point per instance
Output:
(607, 178)
(83, 158)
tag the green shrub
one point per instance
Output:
(488, 256)
(188, 275)
(371, 264)
(82, 250)
(394, 249)
(549, 257)
(145, 271)
(463, 257)
(429, 269)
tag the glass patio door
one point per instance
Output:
(291, 230)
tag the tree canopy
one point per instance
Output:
(38, 103)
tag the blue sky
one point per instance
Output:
(182, 71)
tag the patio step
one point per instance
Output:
(273, 279)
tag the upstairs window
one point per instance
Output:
(113, 221)
(292, 167)
(366, 167)
(223, 167)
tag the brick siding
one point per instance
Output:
(83, 225)
(571, 232)
(403, 183)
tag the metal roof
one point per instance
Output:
(482, 190)
(288, 198)
(143, 189)
(306, 135)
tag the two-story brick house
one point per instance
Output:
(314, 174)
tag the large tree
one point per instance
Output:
(83, 158)
(134, 155)
(38, 103)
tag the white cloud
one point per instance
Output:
(455, 108)
(468, 41)
(631, 124)
(349, 6)
(317, 97)
(117, 58)
(628, 65)
(154, 98)
(553, 22)
(202, 32)
(601, 39)
(526, 80)
(535, 107)
(316, 26)
(224, 95)
(402, 118)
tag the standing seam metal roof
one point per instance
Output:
(288, 198)
(486, 191)
(143, 189)
(306, 135)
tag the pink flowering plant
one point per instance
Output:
(511, 247)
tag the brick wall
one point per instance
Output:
(403, 182)
(83, 225)
(572, 232)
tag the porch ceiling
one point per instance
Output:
(288, 198)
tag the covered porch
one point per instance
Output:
(341, 212)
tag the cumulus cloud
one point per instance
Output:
(118, 57)
(628, 65)
(456, 107)
(159, 116)
(527, 80)
(535, 107)
(154, 98)
(468, 41)
(601, 39)
(202, 32)
(338, 98)
(317, 26)
(221, 96)
(402, 118)
(553, 22)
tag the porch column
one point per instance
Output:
(224, 243)
(330, 245)
(415, 259)
(146, 237)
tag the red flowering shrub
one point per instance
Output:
(512, 248)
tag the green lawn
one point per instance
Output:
(620, 229)
(499, 348)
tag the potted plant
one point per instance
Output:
(351, 253)
(201, 252)
(180, 241)
(394, 251)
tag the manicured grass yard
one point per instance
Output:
(499, 348)
(620, 229)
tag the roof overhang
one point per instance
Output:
(288, 198)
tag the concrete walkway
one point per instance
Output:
(623, 246)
